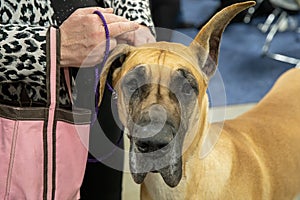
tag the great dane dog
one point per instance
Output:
(163, 104)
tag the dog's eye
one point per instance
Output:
(187, 89)
(187, 82)
(132, 85)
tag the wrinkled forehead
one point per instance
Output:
(164, 61)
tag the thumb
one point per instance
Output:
(129, 37)
(112, 44)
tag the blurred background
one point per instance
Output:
(256, 48)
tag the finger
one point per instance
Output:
(91, 10)
(119, 28)
(112, 18)
(105, 10)
(95, 20)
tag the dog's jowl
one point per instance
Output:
(162, 102)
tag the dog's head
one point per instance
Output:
(162, 95)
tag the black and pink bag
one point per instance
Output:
(43, 150)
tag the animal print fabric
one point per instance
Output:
(22, 48)
(135, 10)
(23, 27)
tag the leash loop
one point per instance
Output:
(98, 70)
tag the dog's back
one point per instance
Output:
(285, 94)
(266, 141)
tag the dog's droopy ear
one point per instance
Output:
(114, 61)
(208, 38)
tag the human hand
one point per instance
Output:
(83, 36)
(140, 36)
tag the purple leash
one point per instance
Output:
(98, 71)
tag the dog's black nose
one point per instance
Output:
(156, 142)
(154, 130)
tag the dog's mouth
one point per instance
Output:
(156, 140)
(167, 163)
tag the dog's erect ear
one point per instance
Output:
(207, 41)
(114, 61)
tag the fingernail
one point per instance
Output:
(109, 9)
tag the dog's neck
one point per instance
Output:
(203, 157)
(197, 132)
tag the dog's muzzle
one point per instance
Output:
(158, 142)
(155, 147)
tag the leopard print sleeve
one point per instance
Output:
(22, 61)
(134, 10)
(23, 30)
